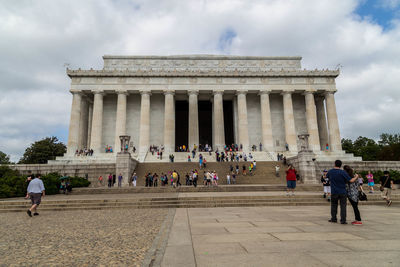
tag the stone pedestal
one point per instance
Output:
(125, 165)
(306, 167)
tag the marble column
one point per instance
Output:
(322, 124)
(333, 123)
(74, 123)
(169, 122)
(243, 124)
(193, 119)
(83, 127)
(290, 131)
(120, 121)
(90, 116)
(312, 125)
(218, 123)
(97, 123)
(266, 124)
(144, 132)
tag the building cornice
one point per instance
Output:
(202, 57)
(201, 73)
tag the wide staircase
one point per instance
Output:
(179, 200)
(263, 174)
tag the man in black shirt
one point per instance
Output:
(387, 184)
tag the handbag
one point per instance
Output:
(383, 186)
(362, 196)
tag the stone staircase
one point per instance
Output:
(191, 201)
(264, 173)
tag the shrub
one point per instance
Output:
(12, 184)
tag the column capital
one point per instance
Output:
(168, 92)
(75, 92)
(95, 92)
(143, 92)
(218, 92)
(307, 92)
(287, 92)
(264, 92)
(241, 92)
(122, 92)
(332, 92)
(193, 92)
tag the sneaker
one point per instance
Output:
(356, 223)
(329, 200)
(343, 222)
(287, 194)
(324, 195)
(332, 221)
(29, 213)
(389, 203)
(35, 214)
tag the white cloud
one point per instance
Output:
(38, 37)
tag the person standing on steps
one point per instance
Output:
(134, 179)
(120, 180)
(338, 179)
(110, 180)
(277, 170)
(290, 179)
(371, 183)
(35, 192)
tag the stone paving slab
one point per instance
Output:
(291, 236)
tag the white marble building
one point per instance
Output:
(198, 99)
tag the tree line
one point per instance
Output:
(386, 148)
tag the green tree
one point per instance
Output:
(4, 158)
(389, 139)
(347, 145)
(42, 151)
(366, 148)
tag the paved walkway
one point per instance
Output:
(282, 236)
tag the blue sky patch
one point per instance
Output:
(380, 12)
(225, 39)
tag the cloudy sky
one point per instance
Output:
(39, 37)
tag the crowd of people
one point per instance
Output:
(84, 152)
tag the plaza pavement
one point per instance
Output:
(282, 236)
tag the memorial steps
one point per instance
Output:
(184, 201)
(264, 173)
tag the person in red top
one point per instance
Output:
(291, 179)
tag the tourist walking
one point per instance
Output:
(290, 179)
(120, 180)
(100, 179)
(195, 177)
(386, 187)
(338, 179)
(35, 192)
(155, 179)
(353, 190)
(134, 179)
(371, 183)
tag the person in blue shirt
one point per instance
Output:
(35, 192)
(338, 179)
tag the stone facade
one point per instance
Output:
(273, 101)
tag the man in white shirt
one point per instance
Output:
(228, 179)
(35, 192)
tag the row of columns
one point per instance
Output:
(86, 122)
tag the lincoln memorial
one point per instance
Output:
(172, 101)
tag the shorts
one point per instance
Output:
(291, 184)
(371, 183)
(386, 193)
(327, 189)
(36, 198)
